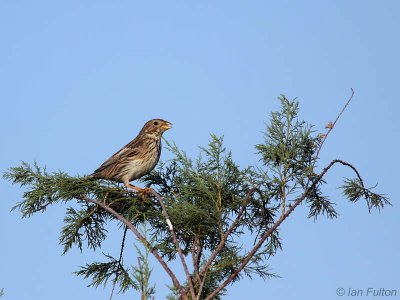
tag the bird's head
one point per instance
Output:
(156, 127)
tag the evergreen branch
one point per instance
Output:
(83, 225)
(354, 189)
(268, 233)
(178, 248)
(257, 266)
(321, 205)
(43, 193)
(142, 239)
(101, 273)
(45, 189)
(142, 272)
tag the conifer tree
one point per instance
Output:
(199, 209)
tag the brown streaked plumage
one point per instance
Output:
(137, 158)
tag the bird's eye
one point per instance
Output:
(155, 123)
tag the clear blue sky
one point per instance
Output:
(79, 78)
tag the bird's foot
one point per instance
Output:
(145, 192)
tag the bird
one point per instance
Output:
(137, 158)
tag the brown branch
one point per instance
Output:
(203, 272)
(174, 238)
(196, 255)
(142, 239)
(276, 225)
(330, 126)
(196, 265)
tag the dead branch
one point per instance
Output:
(331, 125)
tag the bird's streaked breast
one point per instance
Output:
(138, 166)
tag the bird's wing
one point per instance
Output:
(118, 157)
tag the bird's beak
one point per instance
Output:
(166, 126)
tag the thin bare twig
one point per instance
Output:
(276, 225)
(119, 260)
(174, 238)
(175, 281)
(332, 125)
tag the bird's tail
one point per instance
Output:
(93, 176)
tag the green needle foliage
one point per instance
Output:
(142, 271)
(354, 190)
(225, 218)
(288, 152)
(101, 272)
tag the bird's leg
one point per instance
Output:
(143, 191)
